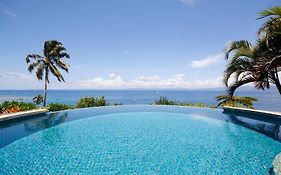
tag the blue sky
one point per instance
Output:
(126, 43)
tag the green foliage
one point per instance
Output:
(38, 99)
(87, 102)
(200, 105)
(166, 101)
(58, 107)
(257, 63)
(15, 106)
(236, 101)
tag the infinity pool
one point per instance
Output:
(138, 140)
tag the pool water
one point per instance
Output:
(142, 142)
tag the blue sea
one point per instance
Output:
(268, 100)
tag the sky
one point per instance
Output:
(126, 43)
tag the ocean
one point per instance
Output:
(268, 100)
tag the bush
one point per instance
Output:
(164, 101)
(15, 106)
(58, 107)
(87, 102)
(201, 105)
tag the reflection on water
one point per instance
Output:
(51, 120)
(16, 129)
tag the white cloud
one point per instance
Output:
(5, 10)
(127, 52)
(187, 2)
(17, 80)
(10, 13)
(177, 81)
(113, 80)
(208, 61)
(13, 74)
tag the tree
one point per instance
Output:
(259, 63)
(54, 52)
(236, 101)
(242, 56)
(38, 99)
(269, 64)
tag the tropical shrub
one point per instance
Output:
(236, 101)
(15, 106)
(201, 105)
(164, 101)
(87, 102)
(58, 107)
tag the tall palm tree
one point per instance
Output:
(54, 52)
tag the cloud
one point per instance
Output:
(13, 74)
(113, 80)
(177, 81)
(10, 13)
(126, 52)
(7, 11)
(187, 2)
(208, 61)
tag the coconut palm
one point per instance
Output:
(54, 52)
(236, 101)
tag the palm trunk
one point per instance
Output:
(277, 82)
(45, 89)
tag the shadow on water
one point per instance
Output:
(269, 126)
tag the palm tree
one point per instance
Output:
(236, 101)
(240, 66)
(54, 52)
(269, 64)
(38, 99)
(259, 63)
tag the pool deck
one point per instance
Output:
(5, 117)
(251, 111)
(277, 164)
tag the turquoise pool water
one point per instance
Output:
(142, 142)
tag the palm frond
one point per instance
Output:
(235, 45)
(40, 72)
(56, 72)
(61, 64)
(32, 56)
(273, 11)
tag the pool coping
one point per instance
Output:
(251, 111)
(5, 117)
